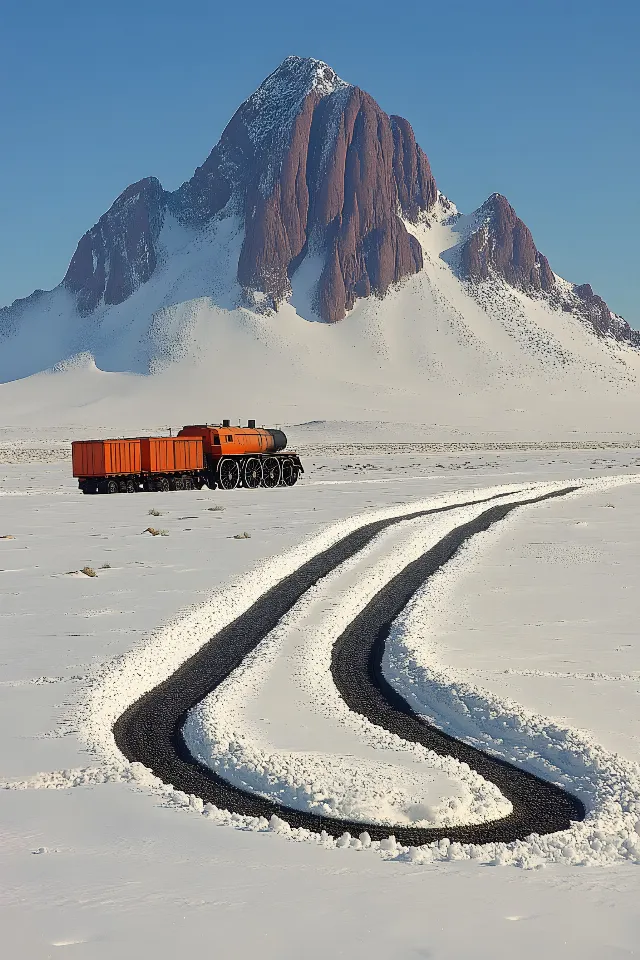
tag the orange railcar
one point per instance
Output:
(103, 458)
(171, 454)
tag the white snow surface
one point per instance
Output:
(126, 872)
(371, 775)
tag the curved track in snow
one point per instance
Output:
(150, 730)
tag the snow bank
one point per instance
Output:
(607, 784)
(219, 733)
(125, 679)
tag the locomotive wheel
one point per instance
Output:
(252, 473)
(131, 487)
(271, 472)
(178, 483)
(111, 486)
(228, 473)
(289, 473)
(162, 484)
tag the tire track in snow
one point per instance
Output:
(150, 730)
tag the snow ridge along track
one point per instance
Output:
(150, 730)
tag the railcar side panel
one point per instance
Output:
(101, 458)
(171, 454)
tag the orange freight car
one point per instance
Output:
(171, 454)
(103, 458)
(217, 455)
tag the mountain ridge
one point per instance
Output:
(321, 183)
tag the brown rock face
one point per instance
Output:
(276, 223)
(309, 163)
(595, 306)
(118, 253)
(374, 168)
(312, 166)
(502, 245)
(604, 322)
(415, 183)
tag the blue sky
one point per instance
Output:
(538, 101)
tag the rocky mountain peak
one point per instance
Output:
(500, 244)
(497, 244)
(311, 166)
(309, 163)
(119, 252)
(280, 97)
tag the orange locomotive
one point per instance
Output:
(212, 454)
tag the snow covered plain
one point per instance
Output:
(121, 870)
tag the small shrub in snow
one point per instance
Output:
(242, 536)
(7, 536)
(89, 572)
(106, 566)
(155, 513)
(155, 532)
(215, 509)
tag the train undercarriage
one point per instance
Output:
(224, 473)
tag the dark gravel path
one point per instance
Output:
(149, 731)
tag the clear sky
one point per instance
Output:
(538, 101)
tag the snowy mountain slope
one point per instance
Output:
(315, 203)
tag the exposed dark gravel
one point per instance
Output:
(149, 731)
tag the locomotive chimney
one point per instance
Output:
(251, 424)
(226, 423)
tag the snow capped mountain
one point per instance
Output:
(496, 243)
(315, 205)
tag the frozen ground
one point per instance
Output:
(121, 872)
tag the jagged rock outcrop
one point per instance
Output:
(118, 253)
(496, 244)
(308, 162)
(374, 170)
(604, 321)
(502, 245)
(11, 316)
(311, 162)
(312, 167)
